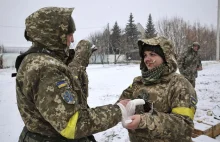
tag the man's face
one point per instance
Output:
(69, 39)
(152, 60)
(195, 47)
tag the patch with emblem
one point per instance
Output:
(61, 84)
(193, 101)
(68, 97)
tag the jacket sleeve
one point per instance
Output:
(58, 101)
(178, 123)
(128, 93)
(181, 61)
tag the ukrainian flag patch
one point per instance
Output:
(193, 101)
(61, 84)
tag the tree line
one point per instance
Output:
(119, 41)
(123, 41)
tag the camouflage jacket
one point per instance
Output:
(188, 62)
(80, 62)
(49, 98)
(172, 102)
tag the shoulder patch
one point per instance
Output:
(68, 97)
(61, 84)
(193, 101)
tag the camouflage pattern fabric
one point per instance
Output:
(78, 65)
(55, 29)
(48, 94)
(188, 62)
(162, 123)
(83, 52)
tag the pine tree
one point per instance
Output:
(150, 31)
(115, 39)
(131, 32)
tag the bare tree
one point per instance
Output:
(94, 40)
(175, 30)
(184, 34)
(101, 40)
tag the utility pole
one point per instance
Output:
(218, 32)
(108, 43)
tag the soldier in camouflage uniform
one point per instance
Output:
(49, 98)
(167, 115)
(189, 63)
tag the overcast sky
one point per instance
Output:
(93, 15)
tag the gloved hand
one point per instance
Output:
(143, 94)
(71, 56)
(129, 110)
(83, 51)
(84, 46)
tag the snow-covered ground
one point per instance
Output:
(106, 84)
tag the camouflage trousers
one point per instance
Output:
(27, 136)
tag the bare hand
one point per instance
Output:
(124, 102)
(135, 122)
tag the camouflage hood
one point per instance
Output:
(83, 52)
(48, 28)
(167, 48)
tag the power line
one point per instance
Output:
(90, 28)
(8, 26)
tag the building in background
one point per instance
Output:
(141, 29)
(8, 55)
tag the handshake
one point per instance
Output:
(128, 110)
